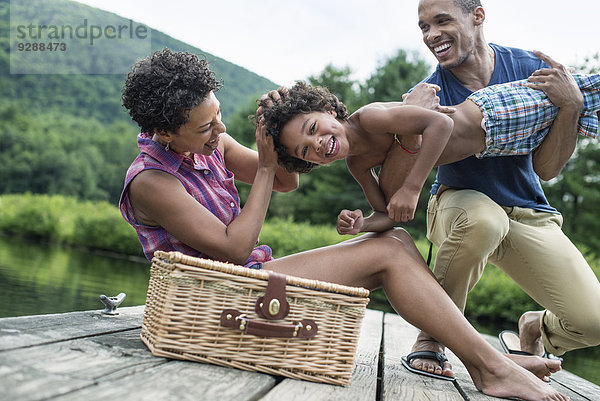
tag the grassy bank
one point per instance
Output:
(99, 225)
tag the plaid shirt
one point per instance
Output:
(517, 118)
(205, 178)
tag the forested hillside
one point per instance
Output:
(98, 96)
(67, 133)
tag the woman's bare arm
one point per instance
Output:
(160, 199)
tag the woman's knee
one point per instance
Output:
(399, 234)
(396, 249)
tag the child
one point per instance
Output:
(310, 126)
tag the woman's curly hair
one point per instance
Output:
(300, 98)
(161, 89)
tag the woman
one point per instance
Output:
(179, 195)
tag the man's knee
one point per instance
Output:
(485, 222)
(471, 214)
(588, 327)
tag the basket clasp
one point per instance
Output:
(273, 305)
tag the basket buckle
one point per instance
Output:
(273, 305)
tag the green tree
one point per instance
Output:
(394, 77)
(240, 125)
(338, 81)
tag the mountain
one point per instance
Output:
(61, 81)
(63, 129)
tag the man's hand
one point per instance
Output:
(424, 95)
(350, 222)
(269, 99)
(557, 82)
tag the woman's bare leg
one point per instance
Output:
(391, 260)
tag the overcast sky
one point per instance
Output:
(286, 40)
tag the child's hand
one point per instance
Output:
(267, 157)
(350, 222)
(402, 205)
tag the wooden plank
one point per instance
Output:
(53, 369)
(118, 364)
(27, 331)
(581, 387)
(177, 381)
(400, 384)
(364, 378)
(577, 388)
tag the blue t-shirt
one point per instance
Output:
(508, 180)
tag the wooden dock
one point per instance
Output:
(91, 356)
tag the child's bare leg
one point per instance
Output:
(392, 260)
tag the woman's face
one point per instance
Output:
(201, 133)
(316, 137)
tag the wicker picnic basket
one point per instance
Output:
(213, 312)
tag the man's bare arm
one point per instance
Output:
(560, 142)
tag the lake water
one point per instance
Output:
(40, 279)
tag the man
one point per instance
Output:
(494, 209)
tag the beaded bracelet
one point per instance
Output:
(412, 152)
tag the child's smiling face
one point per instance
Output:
(316, 137)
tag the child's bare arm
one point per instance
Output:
(411, 120)
(369, 183)
(352, 222)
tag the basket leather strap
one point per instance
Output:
(273, 305)
(306, 328)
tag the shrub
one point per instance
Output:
(286, 237)
(99, 225)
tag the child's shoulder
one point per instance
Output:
(377, 110)
(378, 107)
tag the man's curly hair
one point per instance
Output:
(300, 98)
(161, 89)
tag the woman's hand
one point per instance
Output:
(350, 222)
(267, 157)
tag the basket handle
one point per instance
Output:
(306, 328)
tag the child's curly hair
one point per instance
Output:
(301, 98)
(161, 89)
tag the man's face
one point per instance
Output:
(447, 32)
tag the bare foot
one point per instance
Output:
(541, 367)
(426, 343)
(503, 378)
(530, 334)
